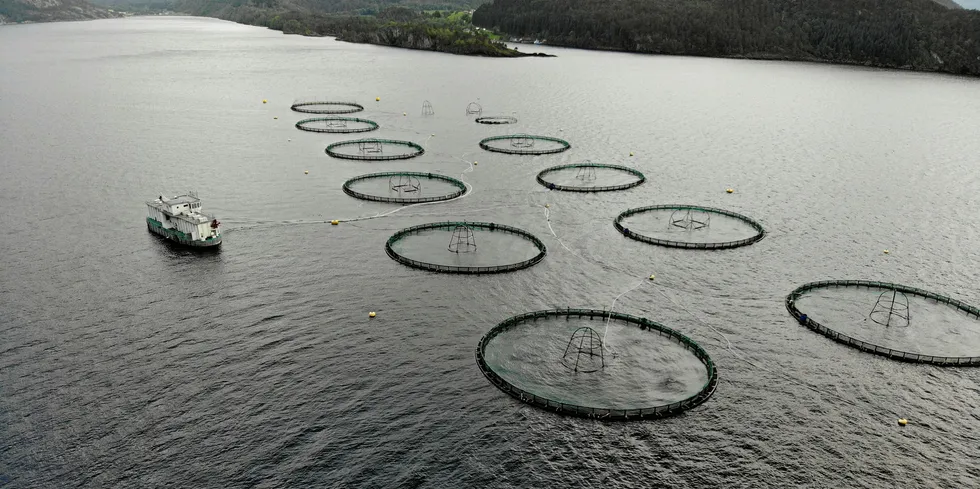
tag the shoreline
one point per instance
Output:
(520, 54)
(774, 57)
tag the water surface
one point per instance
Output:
(127, 363)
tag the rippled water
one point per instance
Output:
(590, 177)
(405, 187)
(903, 322)
(127, 363)
(464, 246)
(631, 369)
(689, 226)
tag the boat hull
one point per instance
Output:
(180, 238)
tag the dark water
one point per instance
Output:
(404, 187)
(590, 177)
(909, 323)
(630, 368)
(466, 247)
(689, 226)
(126, 363)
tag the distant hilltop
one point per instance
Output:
(17, 11)
(920, 35)
(413, 24)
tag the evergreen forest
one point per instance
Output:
(907, 34)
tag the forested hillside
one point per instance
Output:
(910, 34)
(49, 11)
(356, 7)
(407, 25)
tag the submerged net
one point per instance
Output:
(405, 187)
(524, 144)
(890, 321)
(656, 372)
(374, 149)
(587, 177)
(338, 125)
(689, 220)
(462, 255)
(317, 106)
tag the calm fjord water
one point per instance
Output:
(127, 363)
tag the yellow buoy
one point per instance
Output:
(474, 162)
(306, 172)
(371, 314)
(403, 113)
(264, 101)
(275, 118)
(547, 205)
(335, 222)
(730, 190)
(433, 135)
(652, 276)
(886, 252)
(903, 422)
(377, 99)
(631, 153)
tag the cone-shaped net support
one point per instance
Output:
(427, 108)
(367, 147)
(336, 123)
(586, 173)
(583, 353)
(474, 109)
(404, 183)
(522, 141)
(892, 307)
(689, 219)
(462, 240)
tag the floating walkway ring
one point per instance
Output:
(336, 125)
(760, 232)
(372, 149)
(310, 107)
(460, 188)
(572, 188)
(449, 226)
(653, 412)
(526, 147)
(496, 119)
(894, 354)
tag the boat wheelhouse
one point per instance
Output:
(180, 219)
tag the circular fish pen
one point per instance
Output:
(316, 106)
(689, 226)
(374, 149)
(496, 119)
(882, 318)
(596, 364)
(337, 125)
(404, 187)
(590, 177)
(465, 247)
(524, 144)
